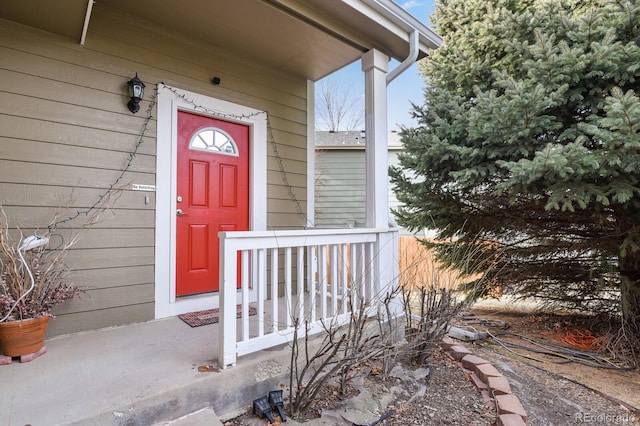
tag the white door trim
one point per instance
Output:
(170, 100)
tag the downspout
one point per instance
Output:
(85, 26)
(410, 60)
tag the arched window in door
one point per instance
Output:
(214, 140)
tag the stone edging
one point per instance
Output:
(493, 386)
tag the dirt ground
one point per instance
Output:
(439, 394)
(552, 390)
(612, 387)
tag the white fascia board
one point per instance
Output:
(428, 37)
(397, 20)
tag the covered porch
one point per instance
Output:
(155, 372)
(158, 371)
(141, 374)
(220, 61)
(147, 372)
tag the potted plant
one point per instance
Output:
(32, 281)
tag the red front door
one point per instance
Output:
(212, 196)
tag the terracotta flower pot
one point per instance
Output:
(19, 338)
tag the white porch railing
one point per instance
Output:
(288, 277)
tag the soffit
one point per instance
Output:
(64, 18)
(309, 38)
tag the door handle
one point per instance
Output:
(179, 212)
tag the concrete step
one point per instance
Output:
(205, 416)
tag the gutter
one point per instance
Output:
(415, 30)
(405, 20)
(410, 60)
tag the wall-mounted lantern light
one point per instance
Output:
(136, 91)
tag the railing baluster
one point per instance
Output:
(274, 289)
(245, 294)
(344, 283)
(313, 270)
(362, 266)
(299, 311)
(287, 285)
(322, 279)
(333, 268)
(370, 272)
(355, 280)
(376, 281)
(261, 289)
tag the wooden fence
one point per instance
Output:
(418, 267)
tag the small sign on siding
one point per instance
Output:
(142, 187)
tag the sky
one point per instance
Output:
(406, 89)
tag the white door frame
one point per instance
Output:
(170, 100)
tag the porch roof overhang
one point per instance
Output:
(309, 38)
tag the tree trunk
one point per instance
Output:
(630, 299)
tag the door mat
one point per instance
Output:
(210, 316)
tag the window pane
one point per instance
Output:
(213, 140)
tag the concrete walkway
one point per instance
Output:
(141, 374)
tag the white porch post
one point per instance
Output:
(228, 278)
(375, 65)
(385, 262)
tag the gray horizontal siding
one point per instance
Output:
(340, 189)
(340, 199)
(66, 136)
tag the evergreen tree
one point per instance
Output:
(528, 148)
